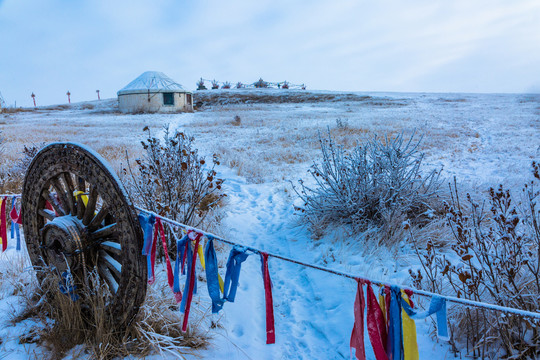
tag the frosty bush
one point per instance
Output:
(494, 258)
(377, 183)
(173, 180)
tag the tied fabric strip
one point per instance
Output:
(170, 277)
(186, 305)
(357, 334)
(395, 335)
(436, 306)
(234, 263)
(147, 224)
(3, 225)
(270, 330)
(376, 325)
(200, 251)
(151, 258)
(212, 276)
(410, 346)
(15, 221)
(180, 250)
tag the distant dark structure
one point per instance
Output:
(259, 84)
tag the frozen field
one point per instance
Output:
(481, 139)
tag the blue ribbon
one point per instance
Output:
(147, 223)
(15, 227)
(395, 327)
(188, 284)
(234, 263)
(212, 280)
(67, 287)
(436, 306)
(180, 248)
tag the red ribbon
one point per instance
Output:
(376, 325)
(270, 330)
(15, 217)
(3, 225)
(170, 276)
(152, 277)
(357, 334)
(191, 281)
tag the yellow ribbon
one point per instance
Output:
(203, 263)
(84, 197)
(410, 346)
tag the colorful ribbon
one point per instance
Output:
(357, 334)
(376, 325)
(15, 221)
(180, 250)
(270, 330)
(395, 327)
(237, 255)
(436, 306)
(147, 224)
(170, 277)
(3, 224)
(191, 283)
(410, 346)
(212, 276)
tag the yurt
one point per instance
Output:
(152, 92)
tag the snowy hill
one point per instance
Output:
(482, 139)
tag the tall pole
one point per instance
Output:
(69, 96)
(98, 95)
(34, 98)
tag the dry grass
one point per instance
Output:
(156, 329)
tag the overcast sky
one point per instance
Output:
(50, 47)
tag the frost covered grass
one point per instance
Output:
(481, 139)
(79, 328)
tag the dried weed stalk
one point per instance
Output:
(494, 258)
(156, 329)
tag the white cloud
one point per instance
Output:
(50, 47)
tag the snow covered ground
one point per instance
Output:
(481, 139)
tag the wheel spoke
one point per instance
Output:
(109, 278)
(111, 263)
(61, 194)
(104, 232)
(80, 206)
(91, 205)
(47, 196)
(81, 184)
(98, 219)
(112, 246)
(47, 214)
(66, 177)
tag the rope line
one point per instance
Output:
(452, 299)
(429, 294)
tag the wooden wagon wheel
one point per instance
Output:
(78, 218)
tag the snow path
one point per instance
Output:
(313, 310)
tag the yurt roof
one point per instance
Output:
(153, 81)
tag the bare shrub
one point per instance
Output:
(12, 175)
(378, 183)
(494, 258)
(174, 181)
(237, 121)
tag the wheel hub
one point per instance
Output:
(64, 239)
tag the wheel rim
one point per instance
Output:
(77, 217)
